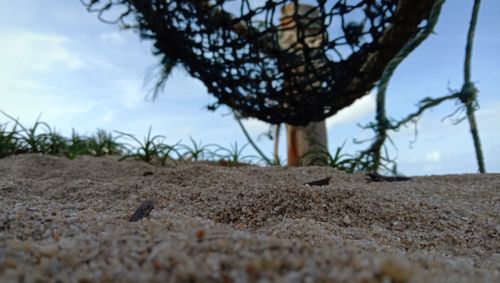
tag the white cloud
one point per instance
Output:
(107, 116)
(55, 109)
(130, 93)
(23, 51)
(433, 156)
(357, 111)
(255, 127)
(116, 38)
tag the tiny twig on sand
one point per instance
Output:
(320, 182)
(143, 211)
(376, 177)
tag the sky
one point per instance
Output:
(58, 61)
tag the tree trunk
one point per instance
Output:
(306, 145)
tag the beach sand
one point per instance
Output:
(68, 221)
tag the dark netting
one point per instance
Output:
(278, 61)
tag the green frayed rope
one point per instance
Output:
(383, 123)
(467, 95)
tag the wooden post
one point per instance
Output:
(311, 139)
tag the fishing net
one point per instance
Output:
(278, 61)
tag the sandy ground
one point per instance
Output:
(67, 221)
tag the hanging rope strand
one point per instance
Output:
(470, 91)
(382, 124)
(467, 95)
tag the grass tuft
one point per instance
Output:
(151, 149)
(15, 138)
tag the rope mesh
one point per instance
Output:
(277, 61)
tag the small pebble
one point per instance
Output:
(397, 269)
(10, 262)
(346, 220)
(49, 250)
